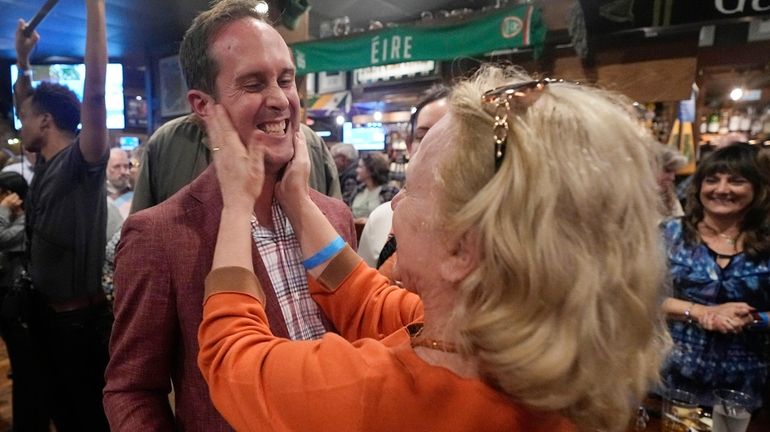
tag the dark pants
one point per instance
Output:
(58, 368)
(30, 406)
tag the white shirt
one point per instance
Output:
(24, 168)
(375, 233)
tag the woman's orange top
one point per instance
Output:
(377, 383)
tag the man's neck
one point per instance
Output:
(54, 143)
(263, 207)
(114, 192)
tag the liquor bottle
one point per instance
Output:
(734, 124)
(713, 124)
(746, 120)
(766, 122)
(703, 126)
(724, 122)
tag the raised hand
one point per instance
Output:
(24, 44)
(11, 202)
(293, 186)
(240, 168)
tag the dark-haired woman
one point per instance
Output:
(719, 256)
(372, 175)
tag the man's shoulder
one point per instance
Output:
(333, 208)
(179, 130)
(312, 138)
(165, 213)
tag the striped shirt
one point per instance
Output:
(282, 256)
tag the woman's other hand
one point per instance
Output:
(726, 317)
(293, 186)
(240, 168)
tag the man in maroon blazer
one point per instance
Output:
(167, 250)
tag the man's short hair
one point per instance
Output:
(200, 69)
(436, 92)
(58, 101)
(343, 149)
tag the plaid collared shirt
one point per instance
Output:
(282, 256)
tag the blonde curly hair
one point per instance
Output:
(563, 311)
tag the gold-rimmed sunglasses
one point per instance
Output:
(503, 98)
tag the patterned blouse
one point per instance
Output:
(702, 361)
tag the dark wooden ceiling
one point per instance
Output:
(134, 25)
(131, 26)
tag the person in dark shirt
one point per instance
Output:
(66, 220)
(346, 159)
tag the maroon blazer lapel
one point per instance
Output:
(205, 190)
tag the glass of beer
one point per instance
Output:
(680, 411)
(731, 411)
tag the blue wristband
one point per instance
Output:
(324, 254)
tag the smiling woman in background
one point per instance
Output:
(719, 255)
(372, 174)
(532, 283)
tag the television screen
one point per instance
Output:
(364, 137)
(73, 76)
(129, 142)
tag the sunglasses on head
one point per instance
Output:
(503, 99)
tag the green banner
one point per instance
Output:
(506, 28)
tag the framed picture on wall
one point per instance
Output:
(173, 90)
(136, 112)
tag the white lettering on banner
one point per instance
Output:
(395, 45)
(407, 47)
(375, 49)
(740, 6)
(384, 49)
(399, 49)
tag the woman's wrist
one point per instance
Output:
(696, 312)
(297, 208)
(237, 211)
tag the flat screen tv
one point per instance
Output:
(73, 76)
(129, 142)
(364, 137)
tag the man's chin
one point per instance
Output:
(276, 161)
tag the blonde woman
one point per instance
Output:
(532, 279)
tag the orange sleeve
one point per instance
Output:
(360, 301)
(260, 382)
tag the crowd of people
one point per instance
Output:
(536, 248)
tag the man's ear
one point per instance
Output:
(462, 259)
(200, 102)
(46, 121)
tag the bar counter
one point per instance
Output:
(760, 420)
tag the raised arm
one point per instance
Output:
(22, 88)
(93, 111)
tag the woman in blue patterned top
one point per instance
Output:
(719, 256)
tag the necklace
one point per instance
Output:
(414, 331)
(729, 240)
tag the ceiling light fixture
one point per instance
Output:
(736, 94)
(261, 7)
